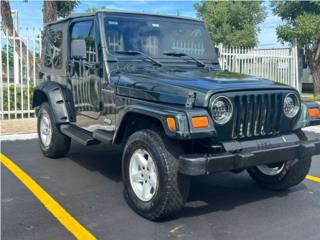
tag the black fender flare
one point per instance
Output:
(60, 99)
(161, 112)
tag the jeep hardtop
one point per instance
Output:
(153, 84)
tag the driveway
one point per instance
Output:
(87, 185)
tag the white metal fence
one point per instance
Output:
(20, 55)
(279, 65)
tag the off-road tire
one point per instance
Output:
(60, 144)
(293, 173)
(173, 188)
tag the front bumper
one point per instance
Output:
(241, 155)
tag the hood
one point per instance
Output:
(173, 87)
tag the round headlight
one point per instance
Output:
(221, 110)
(291, 105)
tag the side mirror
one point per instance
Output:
(78, 49)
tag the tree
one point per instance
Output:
(8, 28)
(50, 13)
(94, 9)
(302, 26)
(54, 9)
(232, 23)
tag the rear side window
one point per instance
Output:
(53, 48)
(85, 30)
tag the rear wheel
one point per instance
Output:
(152, 185)
(52, 143)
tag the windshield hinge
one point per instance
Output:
(190, 100)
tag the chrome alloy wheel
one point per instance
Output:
(143, 175)
(45, 129)
(271, 171)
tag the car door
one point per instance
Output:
(85, 77)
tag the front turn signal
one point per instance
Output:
(200, 122)
(171, 124)
(314, 112)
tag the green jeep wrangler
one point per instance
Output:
(153, 84)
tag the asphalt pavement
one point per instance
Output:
(87, 184)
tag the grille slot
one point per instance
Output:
(256, 115)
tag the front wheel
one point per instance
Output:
(281, 176)
(152, 185)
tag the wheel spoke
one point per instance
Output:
(146, 190)
(136, 177)
(49, 125)
(49, 136)
(153, 180)
(141, 160)
(46, 121)
(47, 141)
(150, 165)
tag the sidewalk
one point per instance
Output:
(18, 126)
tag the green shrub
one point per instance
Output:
(310, 98)
(12, 92)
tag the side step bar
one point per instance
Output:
(78, 134)
(103, 136)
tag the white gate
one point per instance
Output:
(19, 57)
(280, 65)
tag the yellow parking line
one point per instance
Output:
(53, 206)
(313, 178)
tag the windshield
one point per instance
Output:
(156, 36)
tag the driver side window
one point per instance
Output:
(84, 74)
(85, 31)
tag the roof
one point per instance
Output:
(77, 15)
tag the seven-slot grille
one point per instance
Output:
(256, 114)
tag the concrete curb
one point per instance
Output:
(315, 129)
(15, 137)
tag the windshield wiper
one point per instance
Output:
(134, 53)
(180, 54)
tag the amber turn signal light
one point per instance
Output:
(314, 112)
(200, 122)
(171, 124)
